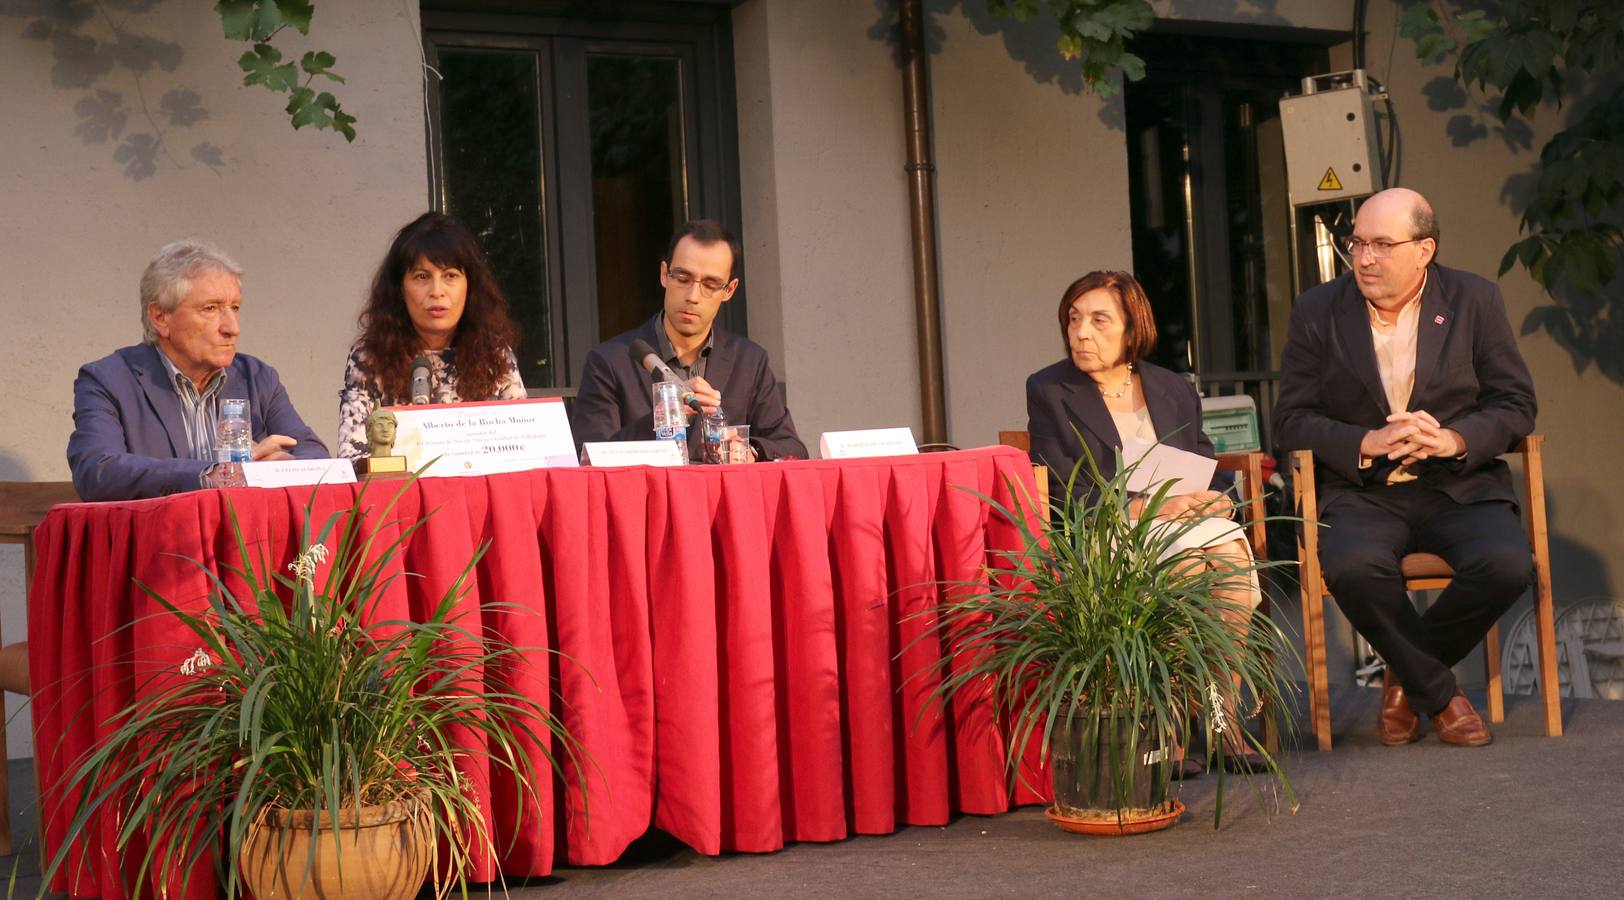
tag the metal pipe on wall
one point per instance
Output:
(921, 170)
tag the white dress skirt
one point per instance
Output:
(1207, 532)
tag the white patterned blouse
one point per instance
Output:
(360, 395)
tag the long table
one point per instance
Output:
(734, 644)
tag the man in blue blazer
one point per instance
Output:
(1404, 378)
(144, 416)
(615, 401)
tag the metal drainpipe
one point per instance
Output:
(921, 170)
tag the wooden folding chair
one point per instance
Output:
(23, 505)
(1428, 572)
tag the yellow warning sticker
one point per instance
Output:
(1330, 182)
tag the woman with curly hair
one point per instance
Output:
(434, 295)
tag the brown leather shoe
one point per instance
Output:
(1397, 724)
(1459, 724)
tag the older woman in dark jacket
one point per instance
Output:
(1104, 393)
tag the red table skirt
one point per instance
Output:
(734, 648)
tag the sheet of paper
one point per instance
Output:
(1156, 463)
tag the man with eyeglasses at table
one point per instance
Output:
(1404, 378)
(615, 402)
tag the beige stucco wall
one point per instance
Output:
(825, 212)
(307, 215)
(1032, 187)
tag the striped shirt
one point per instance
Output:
(199, 412)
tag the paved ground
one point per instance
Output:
(1526, 816)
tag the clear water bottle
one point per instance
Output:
(715, 429)
(670, 419)
(233, 442)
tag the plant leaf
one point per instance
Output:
(236, 18)
(264, 66)
(296, 13)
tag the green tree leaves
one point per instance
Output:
(1095, 32)
(1527, 52)
(259, 21)
(261, 64)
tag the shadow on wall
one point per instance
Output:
(1465, 128)
(107, 53)
(1577, 570)
(12, 467)
(1034, 44)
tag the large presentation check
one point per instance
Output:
(485, 438)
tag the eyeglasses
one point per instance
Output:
(708, 287)
(1378, 249)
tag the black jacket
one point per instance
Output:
(1468, 374)
(1064, 411)
(614, 402)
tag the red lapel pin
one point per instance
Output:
(1437, 320)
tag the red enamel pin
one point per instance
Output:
(1437, 320)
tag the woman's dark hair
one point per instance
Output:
(484, 335)
(1138, 322)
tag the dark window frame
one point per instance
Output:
(1188, 57)
(565, 32)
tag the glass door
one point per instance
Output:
(573, 148)
(492, 175)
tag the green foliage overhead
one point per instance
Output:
(259, 22)
(1526, 54)
(1093, 31)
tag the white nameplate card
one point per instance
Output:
(1188, 472)
(868, 442)
(296, 472)
(484, 438)
(632, 453)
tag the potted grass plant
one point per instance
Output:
(309, 748)
(1112, 649)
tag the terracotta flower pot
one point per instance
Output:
(384, 856)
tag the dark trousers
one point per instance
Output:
(1367, 532)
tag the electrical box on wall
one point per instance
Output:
(1330, 137)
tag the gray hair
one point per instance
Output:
(168, 278)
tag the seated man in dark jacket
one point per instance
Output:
(615, 402)
(1405, 379)
(144, 416)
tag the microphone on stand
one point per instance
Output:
(644, 355)
(420, 380)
